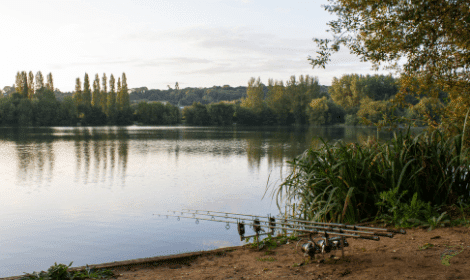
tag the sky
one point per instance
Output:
(197, 43)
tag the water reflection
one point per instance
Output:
(102, 153)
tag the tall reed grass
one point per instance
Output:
(362, 181)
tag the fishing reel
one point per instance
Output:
(324, 245)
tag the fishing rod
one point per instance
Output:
(272, 221)
(257, 227)
(323, 244)
(354, 227)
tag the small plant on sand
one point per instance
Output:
(61, 272)
(266, 259)
(426, 246)
(271, 242)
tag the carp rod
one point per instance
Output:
(257, 227)
(354, 227)
(272, 222)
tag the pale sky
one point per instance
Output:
(197, 43)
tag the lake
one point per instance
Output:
(89, 194)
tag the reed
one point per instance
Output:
(350, 183)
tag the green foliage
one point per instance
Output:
(414, 213)
(271, 242)
(62, 272)
(351, 119)
(426, 41)
(197, 114)
(409, 176)
(373, 111)
(325, 111)
(221, 113)
(254, 96)
(156, 113)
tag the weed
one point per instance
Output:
(266, 259)
(448, 254)
(426, 246)
(61, 272)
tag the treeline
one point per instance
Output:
(34, 103)
(302, 101)
(351, 99)
(187, 96)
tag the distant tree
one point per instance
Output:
(67, 112)
(125, 103)
(119, 95)
(95, 100)
(86, 91)
(30, 85)
(111, 100)
(254, 96)
(24, 88)
(78, 95)
(21, 84)
(104, 94)
(221, 113)
(279, 101)
(348, 91)
(301, 93)
(39, 80)
(45, 108)
(25, 112)
(50, 82)
(197, 114)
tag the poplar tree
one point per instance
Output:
(50, 82)
(125, 93)
(119, 95)
(39, 81)
(24, 87)
(19, 83)
(77, 95)
(30, 84)
(104, 94)
(111, 97)
(95, 100)
(86, 91)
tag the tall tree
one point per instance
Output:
(95, 100)
(50, 82)
(125, 93)
(30, 84)
(429, 37)
(104, 93)
(21, 84)
(278, 100)
(78, 95)
(39, 81)
(254, 95)
(86, 91)
(111, 97)
(119, 95)
(24, 87)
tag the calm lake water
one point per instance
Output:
(88, 194)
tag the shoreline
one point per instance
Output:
(141, 261)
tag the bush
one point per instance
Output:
(344, 182)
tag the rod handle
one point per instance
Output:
(401, 231)
(389, 235)
(375, 238)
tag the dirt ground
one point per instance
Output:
(442, 253)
